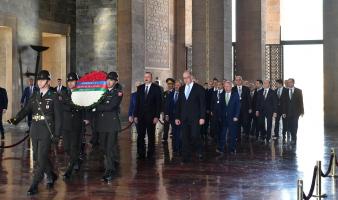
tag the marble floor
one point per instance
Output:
(256, 172)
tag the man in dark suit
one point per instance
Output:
(282, 94)
(228, 110)
(3, 109)
(60, 88)
(146, 114)
(209, 93)
(255, 126)
(170, 113)
(266, 109)
(295, 108)
(170, 85)
(191, 114)
(27, 93)
(244, 96)
(215, 124)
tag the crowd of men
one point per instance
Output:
(222, 111)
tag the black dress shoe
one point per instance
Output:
(141, 157)
(200, 157)
(108, 176)
(27, 131)
(32, 190)
(68, 173)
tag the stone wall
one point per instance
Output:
(96, 35)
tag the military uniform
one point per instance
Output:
(107, 124)
(45, 109)
(72, 125)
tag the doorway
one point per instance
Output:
(6, 65)
(55, 58)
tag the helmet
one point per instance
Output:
(112, 76)
(72, 76)
(43, 75)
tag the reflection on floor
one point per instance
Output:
(256, 172)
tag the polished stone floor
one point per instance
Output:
(256, 172)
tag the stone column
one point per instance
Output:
(124, 49)
(330, 62)
(250, 39)
(211, 39)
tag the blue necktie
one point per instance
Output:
(176, 96)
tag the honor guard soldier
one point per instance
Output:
(45, 128)
(170, 85)
(72, 123)
(107, 124)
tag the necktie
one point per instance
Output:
(265, 93)
(31, 91)
(176, 96)
(279, 92)
(240, 91)
(146, 92)
(187, 91)
(227, 98)
(290, 93)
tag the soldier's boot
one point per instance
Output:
(33, 189)
(51, 180)
(68, 172)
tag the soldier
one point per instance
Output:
(45, 128)
(170, 84)
(107, 124)
(72, 122)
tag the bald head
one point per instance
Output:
(187, 77)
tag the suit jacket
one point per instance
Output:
(215, 101)
(3, 98)
(295, 106)
(267, 106)
(132, 104)
(209, 94)
(27, 93)
(282, 100)
(233, 109)
(193, 108)
(244, 98)
(63, 88)
(150, 107)
(170, 109)
(254, 100)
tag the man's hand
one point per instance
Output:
(86, 122)
(136, 120)
(155, 120)
(166, 118)
(274, 115)
(257, 113)
(235, 119)
(250, 111)
(11, 121)
(177, 122)
(201, 122)
(130, 119)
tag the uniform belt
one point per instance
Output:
(38, 117)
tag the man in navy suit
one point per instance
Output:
(244, 96)
(229, 111)
(266, 109)
(215, 125)
(3, 108)
(146, 115)
(27, 93)
(190, 112)
(60, 88)
(170, 113)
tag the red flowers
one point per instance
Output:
(94, 76)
